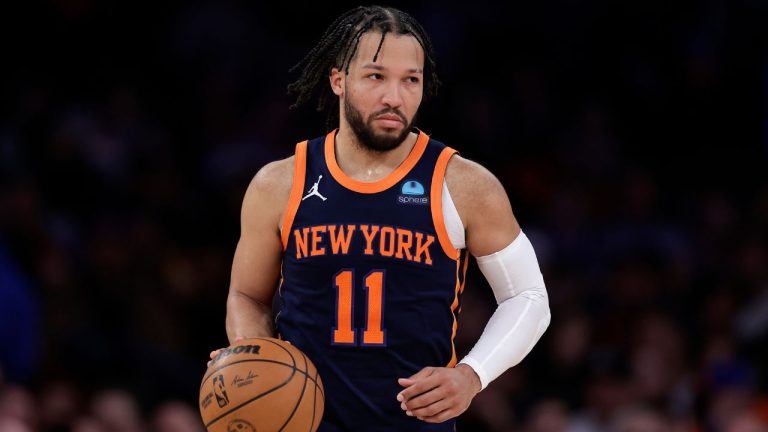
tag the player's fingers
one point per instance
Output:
(407, 382)
(425, 399)
(431, 410)
(439, 417)
(414, 390)
(215, 353)
(417, 388)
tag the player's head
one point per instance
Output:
(380, 63)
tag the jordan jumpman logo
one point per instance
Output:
(313, 190)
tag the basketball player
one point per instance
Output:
(368, 230)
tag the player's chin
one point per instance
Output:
(389, 131)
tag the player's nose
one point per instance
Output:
(393, 96)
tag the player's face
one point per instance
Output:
(381, 98)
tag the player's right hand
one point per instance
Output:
(215, 353)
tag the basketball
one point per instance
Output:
(261, 385)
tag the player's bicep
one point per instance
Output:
(493, 225)
(254, 269)
(256, 264)
(485, 208)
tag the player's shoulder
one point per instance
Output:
(465, 174)
(276, 171)
(273, 179)
(473, 187)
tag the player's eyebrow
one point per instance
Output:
(380, 67)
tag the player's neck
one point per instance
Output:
(367, 165)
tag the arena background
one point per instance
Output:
(632, 138)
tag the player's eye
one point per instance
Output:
(375, 76)
(413, 80)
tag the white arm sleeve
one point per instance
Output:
(522, 315)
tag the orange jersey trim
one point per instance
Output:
(299, 171)
(380, 185)
(455, 305)
(437, 203)
(464, 272)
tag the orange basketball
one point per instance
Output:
(261, 385)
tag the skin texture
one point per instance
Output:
(386, 94)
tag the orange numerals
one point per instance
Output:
(373, 333)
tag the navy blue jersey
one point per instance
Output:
(370, 282)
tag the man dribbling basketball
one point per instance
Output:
(373, 257)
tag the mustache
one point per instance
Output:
(391, 111)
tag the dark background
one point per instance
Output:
(632, 138)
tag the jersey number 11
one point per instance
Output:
(344, 333)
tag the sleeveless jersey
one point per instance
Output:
(371, 283)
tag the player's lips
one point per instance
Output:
(389, 120)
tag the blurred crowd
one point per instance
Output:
(61, 406)
(632, 140)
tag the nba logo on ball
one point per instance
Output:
(220, 391)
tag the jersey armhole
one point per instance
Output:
(437, 203)
(299, 172)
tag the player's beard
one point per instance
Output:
(363, 129)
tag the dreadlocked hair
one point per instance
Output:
(338, 46)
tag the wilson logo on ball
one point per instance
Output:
(240, 349)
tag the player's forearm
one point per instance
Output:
(523, 313)
(247, 317)
(511, 333)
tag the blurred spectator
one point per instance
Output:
(59, 405)
(10, 424)
(16, 403)
(493, 410)
(745, 422)
(117, 411)
(606, 395)
(176, 416)
(88, 424)
(548, 416)
(637, 419)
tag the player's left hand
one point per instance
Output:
(436, 394)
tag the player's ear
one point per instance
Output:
(336, 78)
